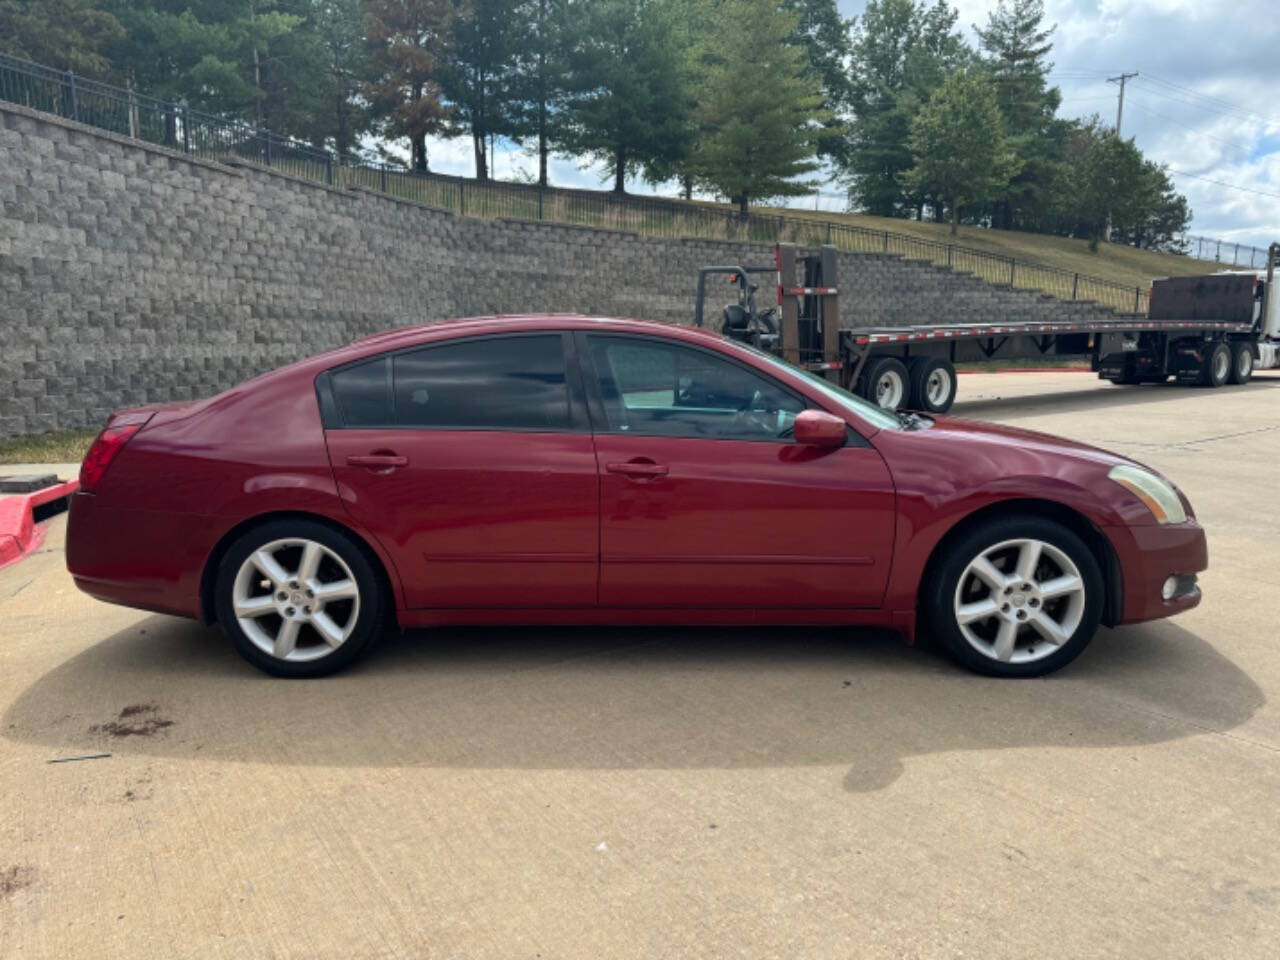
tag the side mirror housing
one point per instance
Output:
(817, 428)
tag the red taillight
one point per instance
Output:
(109, 443)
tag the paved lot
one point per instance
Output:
(670, 793)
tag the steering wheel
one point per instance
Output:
(749, 415)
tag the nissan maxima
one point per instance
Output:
(576, 470)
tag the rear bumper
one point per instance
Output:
(1148, 556)
(138, 558)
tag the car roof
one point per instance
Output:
(515, 323)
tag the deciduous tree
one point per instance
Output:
(958, 143)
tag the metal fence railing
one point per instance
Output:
(129, 113)
(1226, 252)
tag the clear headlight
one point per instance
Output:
(1158, 495)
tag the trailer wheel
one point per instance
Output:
(933, 384)
(885, 383)
(1217, 365)
(1241, 363)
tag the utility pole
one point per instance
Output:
(1120, 106)
(1119, 118)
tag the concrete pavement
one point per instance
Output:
(670, 793)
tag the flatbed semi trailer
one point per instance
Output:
(1207, 330)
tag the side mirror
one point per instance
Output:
(817, 428)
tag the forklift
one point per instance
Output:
(807, 333)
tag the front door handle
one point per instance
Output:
(637, 469)
(378, 461)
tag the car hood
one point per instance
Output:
(952, 460)
(1017, 441)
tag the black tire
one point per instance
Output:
(366, 614)
(1242, 361)
(933, 384)
(890, 372)
(939, 597)
(1216, 368)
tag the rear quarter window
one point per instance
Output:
(363, 393)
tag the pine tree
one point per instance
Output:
(901, 52)
(65, 34)
(1016, 45)
(480, 79)
(627, 99)
(539, 90)
(827, 41)
(958, 143)
(410, 41)
(757, 137)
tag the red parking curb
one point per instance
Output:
(19, 534)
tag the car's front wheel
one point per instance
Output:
(1016, 597)
(299, 598)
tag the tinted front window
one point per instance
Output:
(659, 388)
(500, 383)
(363, 393)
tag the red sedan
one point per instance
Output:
(569, 470)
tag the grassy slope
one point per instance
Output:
(63, 446)
(1121, 264)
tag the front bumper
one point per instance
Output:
(1148, 556)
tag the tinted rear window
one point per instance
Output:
(513, 383)
(363, 393)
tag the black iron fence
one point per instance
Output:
(129, 113)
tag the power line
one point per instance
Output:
(1234, 144)
(1156, 92)
(1208, 97)
(1230, 186)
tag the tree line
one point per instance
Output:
(740, 98)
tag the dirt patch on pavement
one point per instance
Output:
(14, 879)
(137, 720)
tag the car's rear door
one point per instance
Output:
(472, 462)
(707, 502)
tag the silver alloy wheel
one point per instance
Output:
(1221, 364)
(295, 599)
(938, 387)
(1019, 601)
(890, 389)
(1244, 363)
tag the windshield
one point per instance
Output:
(860, 408)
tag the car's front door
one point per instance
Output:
(705, 499)
(472, 462)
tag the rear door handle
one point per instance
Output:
(636, 468)
(378, 460)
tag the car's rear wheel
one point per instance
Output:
(1016, 597)
(299, 598)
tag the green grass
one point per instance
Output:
(1116, 262)
(62, 446)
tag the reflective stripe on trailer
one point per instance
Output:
(809, 291)
(961, 332)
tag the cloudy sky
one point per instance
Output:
(1206, 101)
